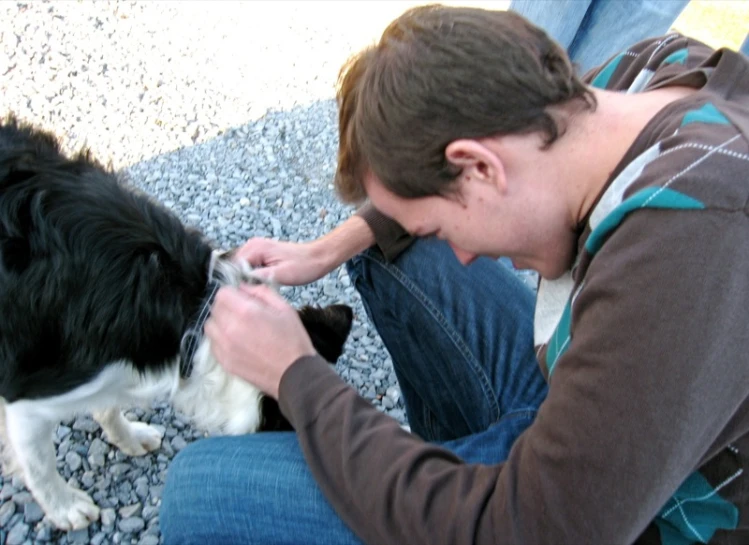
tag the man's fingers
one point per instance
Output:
(254, 252)
(232, 305)
(265, 295)
(263, 273)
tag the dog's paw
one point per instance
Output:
(73, 510)
(142, 439)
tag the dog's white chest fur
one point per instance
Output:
(217, 401)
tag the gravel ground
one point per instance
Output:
(222, 111)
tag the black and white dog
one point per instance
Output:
(103, 294)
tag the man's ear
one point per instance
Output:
(476, 161)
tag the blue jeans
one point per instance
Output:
(592, 31)
(461, 340)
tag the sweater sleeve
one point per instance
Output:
(390, 237)
(642, 396)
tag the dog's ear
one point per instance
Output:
(328, 327)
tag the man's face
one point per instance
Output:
(459, 219)
(481, 220)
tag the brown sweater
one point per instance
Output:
(644, 436)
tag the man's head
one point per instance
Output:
(441, 74)
(419, 113)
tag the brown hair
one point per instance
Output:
(439, 74)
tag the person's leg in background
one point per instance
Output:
(561, 19)
(745, 46)
(604, 29)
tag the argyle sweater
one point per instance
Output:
(644, 435)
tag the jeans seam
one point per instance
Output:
(414, 290)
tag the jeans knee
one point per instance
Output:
(174, 513)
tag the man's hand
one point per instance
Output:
(297, 263)
(287, 263)
(256, 335)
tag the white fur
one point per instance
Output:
(215, 401)
(212, 398)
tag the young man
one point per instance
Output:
(616, 411)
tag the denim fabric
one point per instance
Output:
(592, 31)
(461, 338)
(461, 343)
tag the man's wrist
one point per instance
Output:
(344, 242)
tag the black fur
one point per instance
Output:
(328, 329)
(93, 271)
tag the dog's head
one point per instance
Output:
(328, 327)
(233, 406)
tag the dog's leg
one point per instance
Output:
(30, 435)
(7, 457)
(132, 438)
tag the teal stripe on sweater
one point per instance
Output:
(677, 57)
(560, 340)
(651, 197)
(603, 77)
(694, 513)
(707, 114)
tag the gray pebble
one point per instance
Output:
(7, 491)
(22, 498)
(32, 513)
(86, 425)
(118, 469)
(44, 533)
(131, 510)
(17, 518)
(17, 534)
(88, 479)
(141, 487)
(393, 393)
(149, 512)
(153, 528)
(131, 525)
(178, 443)
(79, 537)
(97, 460)
(7, 510)
(63, 431)
(156, 491)
(107, 517)
(98, 447)
(99, 538)
(73, 460)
